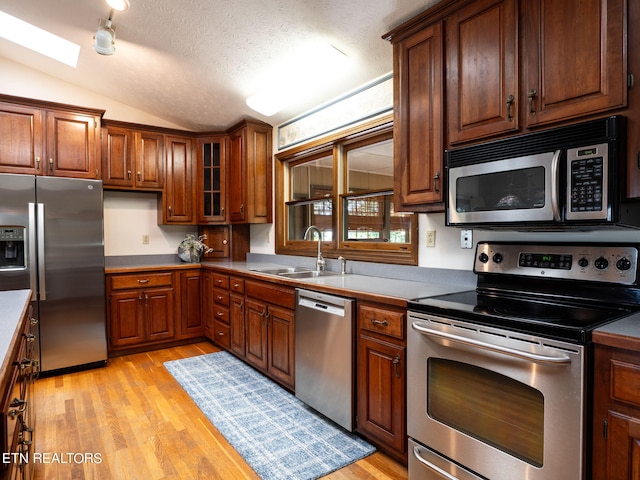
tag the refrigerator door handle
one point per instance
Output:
(41, 262)
(33, 266)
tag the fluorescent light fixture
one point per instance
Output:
(304, 73)
(120, 5)
(38, 40)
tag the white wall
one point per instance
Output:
(130, 215)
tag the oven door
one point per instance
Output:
(515, 190)
(501, 404)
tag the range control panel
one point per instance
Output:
(596, 263)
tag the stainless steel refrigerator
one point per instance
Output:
(51, 241)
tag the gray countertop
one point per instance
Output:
(426, 285)
(13, 305)
(623, 333)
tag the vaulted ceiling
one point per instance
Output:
(194, 62)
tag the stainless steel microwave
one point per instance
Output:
(565, 178)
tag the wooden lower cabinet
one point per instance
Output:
(149, 308)
(270, 330)
(236, 319)
(381, 377)
(270, 339)
(141, 316)
(191, 321)
(616, 418)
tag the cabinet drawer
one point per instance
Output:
(272, 292)
(221, 314)
(221, 334)
(236, 285)
(221, 297)
(141, 280)
(221, 281)
(381, 320)
(625, 382)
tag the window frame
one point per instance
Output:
(380, 252)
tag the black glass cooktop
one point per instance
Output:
(525, 313)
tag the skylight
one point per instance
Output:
(38, 40)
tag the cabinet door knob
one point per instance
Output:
(129, 174)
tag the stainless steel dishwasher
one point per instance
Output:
(324, 355)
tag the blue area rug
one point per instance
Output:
(279, 436)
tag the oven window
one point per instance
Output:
(488, 406)
(504, 190)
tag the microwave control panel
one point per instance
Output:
(587, 189)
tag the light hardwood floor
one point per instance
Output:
(137, 423)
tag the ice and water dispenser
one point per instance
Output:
(12, 247)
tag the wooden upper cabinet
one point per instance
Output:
(21, 139)
(72, 145)
(482, 70)
(179, 194)
(149, 154)
(117, 156)
(250, 173)
(132, 159)
(211, 179)
(574, 58)
(418, 120)
(39, 138)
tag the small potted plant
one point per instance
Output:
(192, 248)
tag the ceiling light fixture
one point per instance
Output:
(105, 37)
(120, 5)
(311, 67)
(39, 40)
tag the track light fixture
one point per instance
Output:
(105, 37)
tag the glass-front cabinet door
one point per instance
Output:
(211, 180)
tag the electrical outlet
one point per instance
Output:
(431, 238)
(145, 239)
(466, 238)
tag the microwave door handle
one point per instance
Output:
(555, 185)
(562, 359)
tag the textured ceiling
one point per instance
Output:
(194, 62)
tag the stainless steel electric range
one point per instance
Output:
(499, 378)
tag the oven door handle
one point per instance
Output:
(417, 453)
(562, 359)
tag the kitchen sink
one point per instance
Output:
(283, 270)
(309, 274)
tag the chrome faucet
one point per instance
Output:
(320, 262)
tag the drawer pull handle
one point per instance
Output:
(143, 280)
(220, 314)
(220, 334)
(384, 323)
(236, 285)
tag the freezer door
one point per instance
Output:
(71, 260)
(17, 194)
